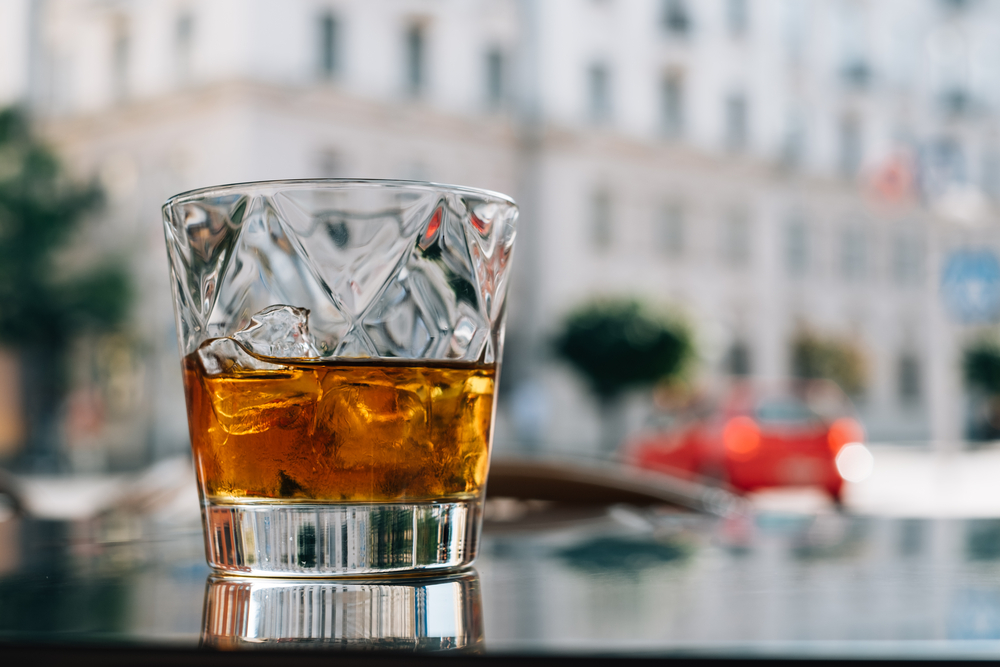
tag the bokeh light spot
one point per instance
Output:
(855, 462)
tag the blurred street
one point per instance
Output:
(920, 482)
(909, 482)
(906, 481)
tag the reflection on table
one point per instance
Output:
(551, 578)
(440, 613)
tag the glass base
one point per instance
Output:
(341, 539)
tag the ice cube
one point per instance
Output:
(224, 355)
(279, 331)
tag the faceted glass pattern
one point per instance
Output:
(386, 269)
(340, 341)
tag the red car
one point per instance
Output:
(756, 437)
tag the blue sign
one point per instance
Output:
(970, 285)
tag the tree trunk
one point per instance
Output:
(41, 393)
(12, 425)
(612, 415)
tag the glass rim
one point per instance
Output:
(304, 183)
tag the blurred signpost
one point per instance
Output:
(970, 286)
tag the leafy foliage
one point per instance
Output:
(39, 210)
(839, 360)
(981, 365)
(618, 345)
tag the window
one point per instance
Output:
(675, 17)
(672, 105)
(737, 16)
(955, 5)
(796, 247)
(329, 46)
(735, 239)
(495, 76)
(991, 173)
(415, 169)
(415, 65)
(851, 28)
(793, 152)
(850, 146)
(736, 122)
(671, 233)
(907, 260)
(598, 85)
(954, 97)
(183, 41)
(330, 164)
(856, 73)
(912, 537)
(945, 164)
(853, 254)
(120, 60)
(600, 222)
(908, 378)
(739, 359)
(795, 30)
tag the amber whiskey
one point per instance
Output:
(341, 431)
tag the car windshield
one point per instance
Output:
(662, 421)
(785, 410)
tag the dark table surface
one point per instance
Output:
(598, 581)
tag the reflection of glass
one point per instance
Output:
(443, 613)
(341, 341)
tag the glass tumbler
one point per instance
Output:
(341, 341)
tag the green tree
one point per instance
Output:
(981, 365)
(840, 360)
(42, 308)
(618, 345)
(981, 371)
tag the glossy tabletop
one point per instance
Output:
(597, 581)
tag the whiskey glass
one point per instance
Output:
(341, 342)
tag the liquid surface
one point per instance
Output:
(342, 431)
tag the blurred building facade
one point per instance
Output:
(766, 167)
